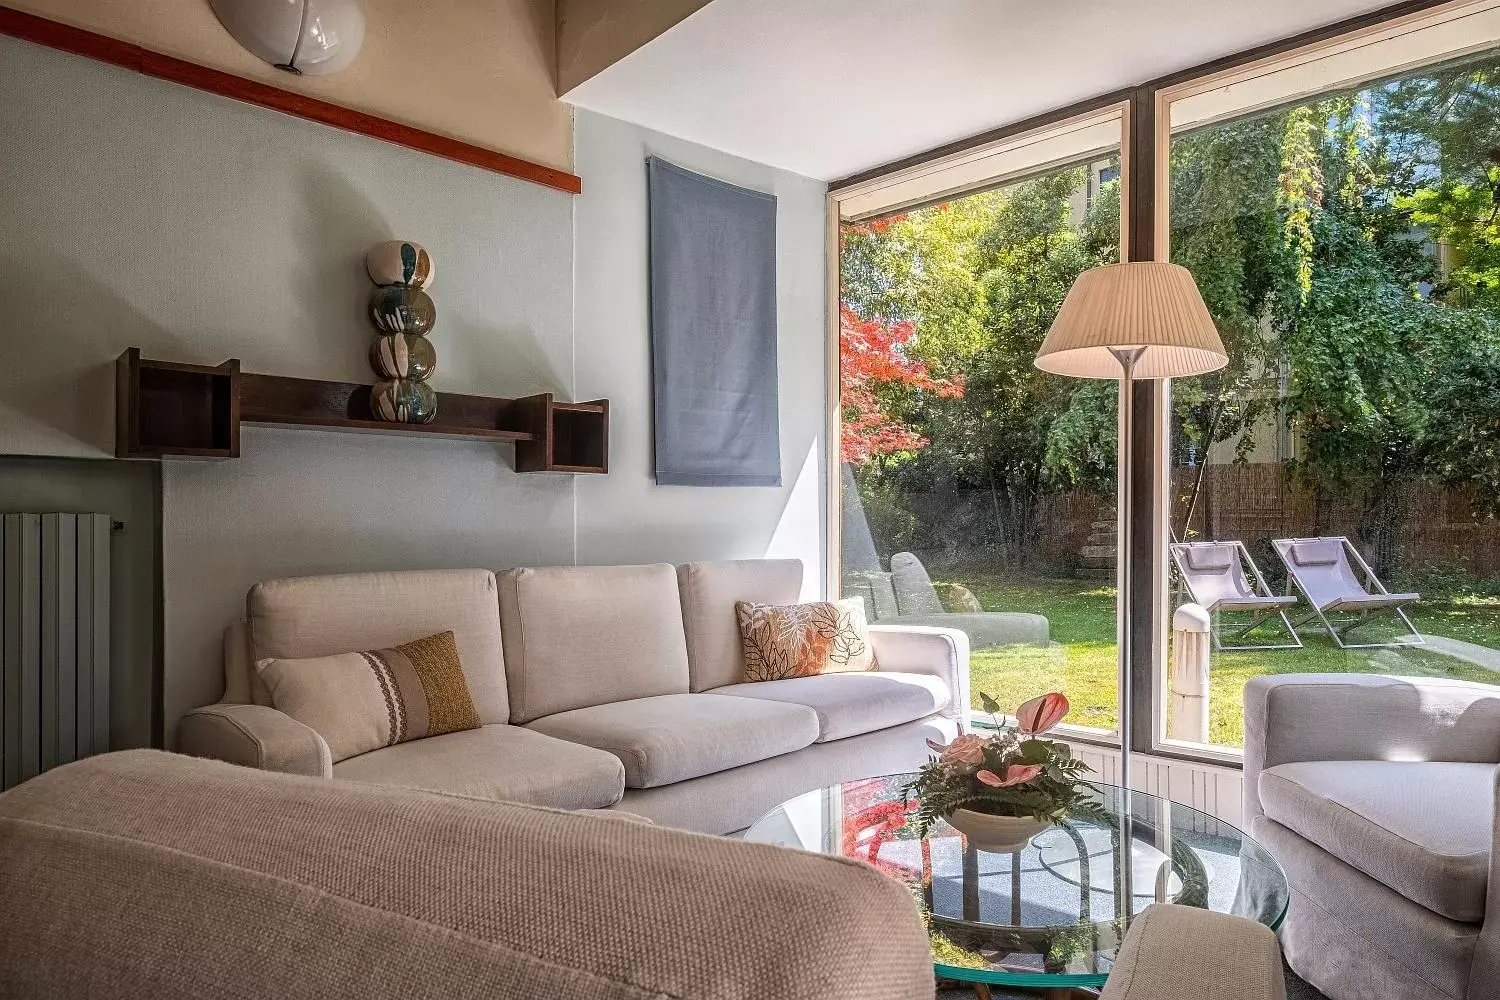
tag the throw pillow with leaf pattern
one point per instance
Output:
(803, 640)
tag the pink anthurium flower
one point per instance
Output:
(1040, 714)
(1013, 774)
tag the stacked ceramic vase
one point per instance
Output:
(403, 315)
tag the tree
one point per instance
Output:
(1464, 216)
(979, 279)
(872, 362)
(1347, 249)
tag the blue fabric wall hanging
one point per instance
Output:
(713, 330)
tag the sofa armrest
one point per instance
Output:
(254, 736)
(1484, 975)
(1293, 717)
(1175, 951)
(927, 649)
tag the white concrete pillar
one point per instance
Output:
(1189, 674)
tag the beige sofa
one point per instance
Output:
(598, 687)
(145, 874)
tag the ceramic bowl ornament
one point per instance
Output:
(400, 309)
(403, 355)
(1001, 834)
(396, 262)
(403, 314)
(403, 401)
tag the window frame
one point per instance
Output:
(1145, 151)
(1028, 135)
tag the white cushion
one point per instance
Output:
(710, 591)
(507, 763)
(325, 615)
(1422, 829)
(675, 737)
(590, 635)
(849, 704)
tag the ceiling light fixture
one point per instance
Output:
(315, 37)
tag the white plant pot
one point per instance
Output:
(1000, 834)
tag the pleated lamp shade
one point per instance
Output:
(1146, 304)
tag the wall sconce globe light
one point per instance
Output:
(315, 37)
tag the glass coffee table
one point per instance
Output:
(1051, 916)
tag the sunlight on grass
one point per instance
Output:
(1081, 663)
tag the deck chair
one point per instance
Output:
(1324, 570)
(1214, 575)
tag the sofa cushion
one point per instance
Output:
(804, 640)
(325, 615)
(710, 591)
(853, 703)
(1423, 829)
(675, 737)
(582, 636)
(496, 762)
(363, 701)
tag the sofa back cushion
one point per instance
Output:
(710, 590)
(242, 683)
(578, 636)
(325, 615)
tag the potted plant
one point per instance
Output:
(1002, 789)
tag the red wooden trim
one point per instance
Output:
(80, 41)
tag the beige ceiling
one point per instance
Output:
(827, 88)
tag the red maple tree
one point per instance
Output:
(872, 354)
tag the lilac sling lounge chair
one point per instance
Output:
(1213, 573)
(1323, 569)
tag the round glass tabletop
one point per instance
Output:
(1053, 913)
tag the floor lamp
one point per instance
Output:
(1143, 320)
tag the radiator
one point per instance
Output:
(54, 641)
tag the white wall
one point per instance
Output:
(625, 517)
(139, 213)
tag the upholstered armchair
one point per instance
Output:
(1377, 796)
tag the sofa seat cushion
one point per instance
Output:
(1422, 829)
(853, 703)
(508, 763)
(674, 737)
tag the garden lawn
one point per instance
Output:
(1082, 660)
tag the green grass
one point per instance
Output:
(1082, 661)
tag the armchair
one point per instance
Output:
(1377, 797)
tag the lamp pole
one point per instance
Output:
(1127, 357)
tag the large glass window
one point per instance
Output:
(976, 491)
(1342, 475)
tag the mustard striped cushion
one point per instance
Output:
(375, 698)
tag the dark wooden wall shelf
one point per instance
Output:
(170, 410)
(565, 437)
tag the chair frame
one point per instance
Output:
(1259, 616)
(1343, 626)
